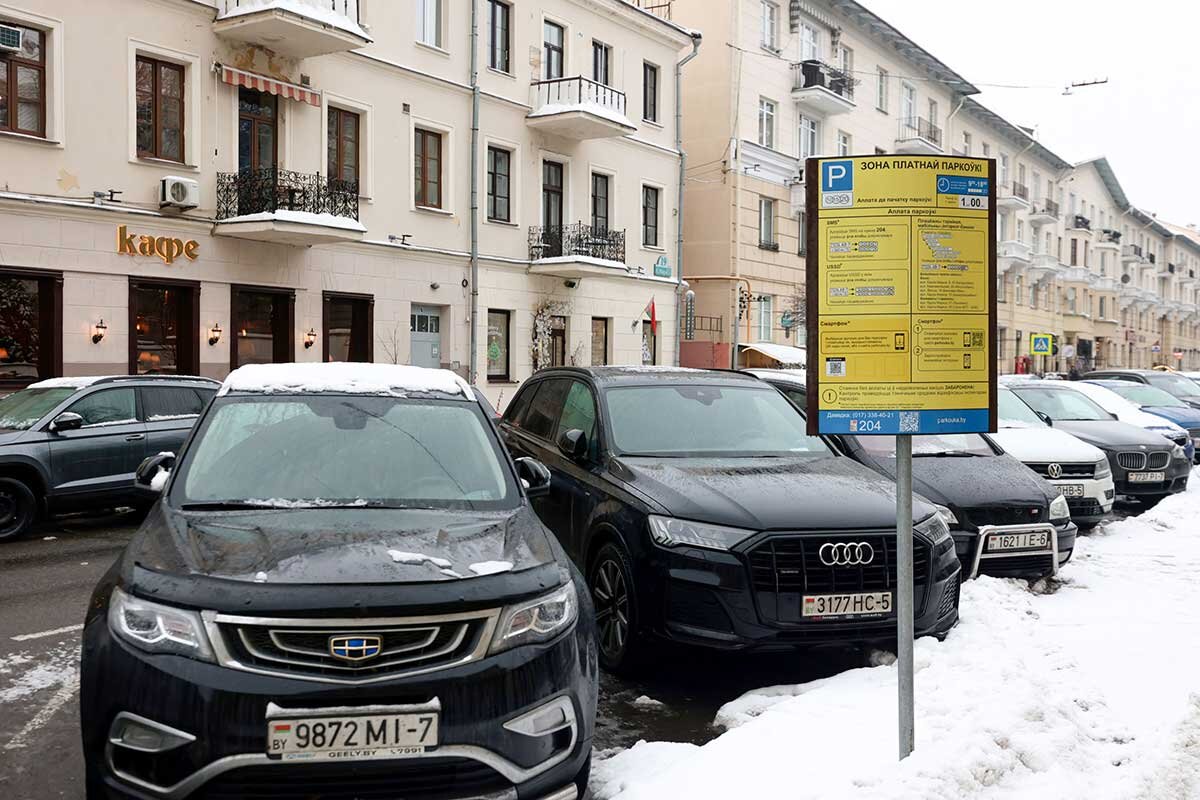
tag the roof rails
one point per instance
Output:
(155, 377)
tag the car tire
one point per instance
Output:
(581, 777)
(18, 508)
(610, 581)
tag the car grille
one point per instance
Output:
(1158, 460)
(1084, 506)
(1067, 470)
(303, 648)
(429, 779)
(1131, 460)
(949, 598)
(1020, 566)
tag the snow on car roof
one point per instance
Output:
(76, 382)
(344, 378)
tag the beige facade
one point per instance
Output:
(378, 93)
(785, 81)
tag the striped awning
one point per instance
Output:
(251, 80)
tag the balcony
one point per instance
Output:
(278, 205)
(1013, 196)
(1132, 254)
(1012, 255)
(576, 251)
(1043, 266)
(1108, 240)
(1044, 213)
(1079, 223)
(821, 89)
(1081, 275)
(919, 136)
(293, 28)
(578, 108)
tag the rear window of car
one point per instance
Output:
(160, 403)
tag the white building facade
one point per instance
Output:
(194, 185)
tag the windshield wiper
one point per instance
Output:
(224, 505)
(950, 454)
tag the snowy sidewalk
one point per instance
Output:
(1090, 692)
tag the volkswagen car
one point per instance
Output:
(342, 592)
(701, 512)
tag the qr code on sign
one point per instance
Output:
(835, 367)
(909, 422)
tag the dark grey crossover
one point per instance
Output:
(343, 592)
(73, 443)
(701, 512)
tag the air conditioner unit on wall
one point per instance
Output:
(176, 192)
(10, 39)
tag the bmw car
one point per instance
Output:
(1153, 400)
(343, 591)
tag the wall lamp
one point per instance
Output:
(214, 334)
(98, 331)
(309, 338)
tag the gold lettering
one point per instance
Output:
(191, 249)
(125, 245)
(146, 246)
(165, 247)
(168, 249)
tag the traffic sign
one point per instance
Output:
(1041, 344)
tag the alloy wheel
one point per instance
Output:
(610, 595)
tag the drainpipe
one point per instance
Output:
(473, 362)
(950, 122)
(679, 197)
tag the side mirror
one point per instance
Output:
(1045, 418)
(66, 421)
(573, 444)
(1113, 414)
(534, 476)
(152, 473)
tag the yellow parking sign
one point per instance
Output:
(901, 304)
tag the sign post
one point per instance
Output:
(901, 272)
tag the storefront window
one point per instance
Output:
(262, 326)
(599, 341)
(558, 341)
(165, 337)
(20, 340)
(348, 323)
(497, 345)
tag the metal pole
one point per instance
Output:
(473, 360)
(904, 590)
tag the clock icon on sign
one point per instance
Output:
(943, 184)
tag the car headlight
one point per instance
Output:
(947, 515)
(935, 527)
(1102, 469)
(670, 532)
(1059, 509)
(1178, 451)
(536, 620)
(156, 628)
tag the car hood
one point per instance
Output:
(1044, 445)
(341, 546)
(1142, 419)
(771, 493)
(1185, 416)
(1111, 433)
(971, 482)
(10, 436)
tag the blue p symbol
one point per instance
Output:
(838, 176)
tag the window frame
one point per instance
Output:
(766, 315)
(553, 53)
(49, 361)
(601, 62)
(506, 376)
(422, 24)
(810, 42)
(500, 46)
(845, 143)
(10, 89)
(648, 224)
(766, 122)
(769, 33)
(492, 174)
(766, 223)
(368, 301)
(288, 323)
(607, 180)
(341, 114)
(592, 351)
(812, 127)
(882, 88)
(156, 66)
(421, 182)
(650, 74)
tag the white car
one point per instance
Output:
(1127, 411)
(1078, 469)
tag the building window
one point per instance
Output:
(599, 341)
(987, 150)
(966, 143)
(766, 305)
(933, 112)
(1003, 169)
(159, 109)
(164, 319)
(766, 224)
(429, 22)
(766, 122)
(770, 25)
(499, 36)
(1019, 291)
(263, 321)
(1001, 289)
(650, 195)
(1001, 341)
(497, 344)
(599, 201)
(881, 89)
(427, 161)
(1102, 309)
(810, 42)
(23, 86)
(31, 330)
(649, 343)
(601, 58)
(348, 321)
(908, 103)
(343, 140)
(1074, 252)
(649, 92)
(558, 341)
(553, 37)
(499, 167)
(844, 143)
(845, 58)
(810, 134)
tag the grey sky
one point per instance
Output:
(1146, 120)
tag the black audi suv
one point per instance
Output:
(701, 512)
(342, 593)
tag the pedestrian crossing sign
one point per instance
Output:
(1040, 344)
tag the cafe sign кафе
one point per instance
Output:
(165, 247)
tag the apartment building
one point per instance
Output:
(783, 81)
(193, 185)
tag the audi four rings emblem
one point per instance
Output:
(846, 554)
(1054, 471)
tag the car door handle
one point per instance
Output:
(135, 437)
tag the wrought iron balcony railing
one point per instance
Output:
(553, 241)
(577, 91)
(1020, 190)
(919, 127)
(319, 8)
(813, 73)
(272, 189)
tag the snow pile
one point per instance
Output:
(491, 567)
(77, 382)
(345, 378)
(311, 9)
(1088, 690)
(315, 502)
(300, 218)
(418, 558)
(585, 107)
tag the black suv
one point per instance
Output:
(72, 443)
(701, 512)
(342, 592)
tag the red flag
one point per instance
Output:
(649, 311)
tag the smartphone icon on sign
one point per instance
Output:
(900, 341)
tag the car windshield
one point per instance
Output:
(1175, 384)
(700, 420)
(966, 444)
(1014, 413)
(357, 450)
(1144, 395)
(21, 410)
(1063, 404)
